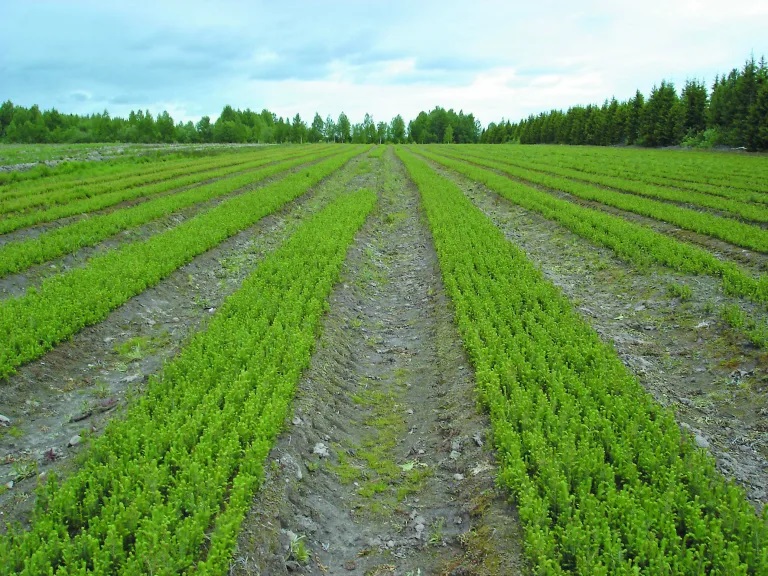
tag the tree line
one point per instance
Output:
(19, 124)
(732, 112)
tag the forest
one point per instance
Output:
(733, 112)
(31, 125)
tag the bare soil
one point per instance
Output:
(385, 468)
(713, 379)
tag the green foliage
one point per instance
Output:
(641, 199)
(343, 128)
(164, 490)
(316, 130)
(603, 480)
(430, 127)
(662, 120)
(738, 319)
(448, 136)
(27, 204)
(736, 109)
(397, 130)
(682, 291)
(298, 550)
(709, 138)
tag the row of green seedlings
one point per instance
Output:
(603, 479)
(109, 199)
(69, 174)
(18, 255)
(165, 489)
(729, 230)
(630, 241)
(736, 207)
(377, 151)
(73, 175)
(739, 177)
(49, 193)
(658, 170)
(33, 323)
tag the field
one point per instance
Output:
(384, 360)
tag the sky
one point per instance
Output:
(495, 59)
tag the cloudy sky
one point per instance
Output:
(496, 59)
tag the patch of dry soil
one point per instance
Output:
(385, 468)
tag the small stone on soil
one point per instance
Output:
(4, 421)
(74, 441)
(701, 441)
(321, 450)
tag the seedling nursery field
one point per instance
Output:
(380, 360)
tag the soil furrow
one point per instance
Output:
(385, 468)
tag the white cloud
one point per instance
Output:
(492, 58)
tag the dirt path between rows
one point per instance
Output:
(680, 350)
(385, 468)
(74, 390)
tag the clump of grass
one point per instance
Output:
(299, 550)
(736, 318)
(682, 291)
(138, 347)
